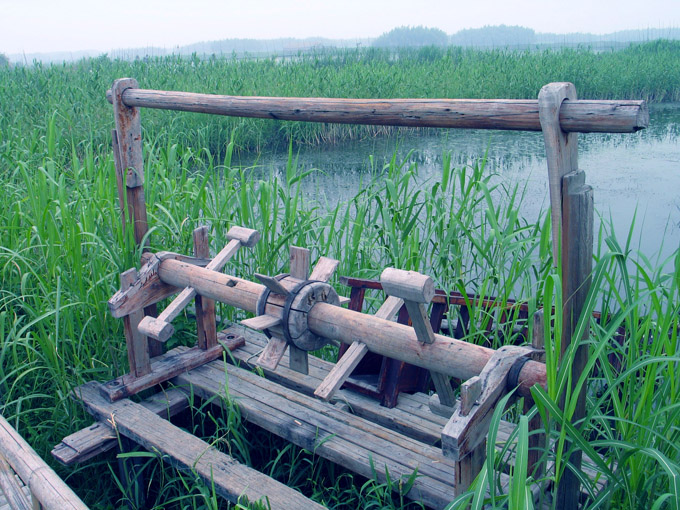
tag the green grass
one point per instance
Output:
(62, 249)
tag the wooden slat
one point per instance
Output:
(299, 268)
(331, 432)
(183, 450)
(273, 353)
(518, 114)
(12, 487)
(100, 437)
(354, 354)
(324, 269)
(166, 367)
(261, 322)
(206, 325)
(272, 284)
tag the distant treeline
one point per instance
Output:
(499, 37)
(74, 93)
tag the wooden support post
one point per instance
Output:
(577, 256)
(537, 441)
(468, 467)
(129, 131)
(571, 204)
(137, 344)
(417, 291)
(120, 180)
(127, 147)
(205, 308)
(299, 268)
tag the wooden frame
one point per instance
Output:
(557, 113)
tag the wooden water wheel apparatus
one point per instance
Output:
(301, 398)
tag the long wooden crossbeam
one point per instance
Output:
(581, 116)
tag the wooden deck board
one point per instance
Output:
(329, 432)
(232, 479)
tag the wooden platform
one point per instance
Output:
(353, 430)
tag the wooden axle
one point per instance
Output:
(515, 114)
(444, 355)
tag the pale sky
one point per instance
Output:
(69, 25)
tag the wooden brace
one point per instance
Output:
(469, 424)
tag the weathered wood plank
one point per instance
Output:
(273, 353)
(577, 259)
(324, 269)
(166, 367)
(206, 325)
(331, 432)
(349, 361)
(100, 437)
(44, 483)
(185, 451)
(582, 116)
(12, 488)
(261, 322)
(272, 284)
(136, 342)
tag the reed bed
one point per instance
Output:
(62, 247)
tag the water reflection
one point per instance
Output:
(634, 176)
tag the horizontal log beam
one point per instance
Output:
(50, 490)
(445, 355)
(583, 116)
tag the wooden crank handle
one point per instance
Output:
(160, 327)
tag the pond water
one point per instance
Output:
(634, 176)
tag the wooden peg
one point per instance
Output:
(416, 290)
(247, 237)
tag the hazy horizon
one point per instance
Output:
(39, 26)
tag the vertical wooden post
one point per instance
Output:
(137, 345)
(537, 443)
(299, 268)
(127, 147)
(129, 137)
(467, 468)
(577, 256)
(205, 308)
(571, 204)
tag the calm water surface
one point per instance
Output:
(633, 175)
